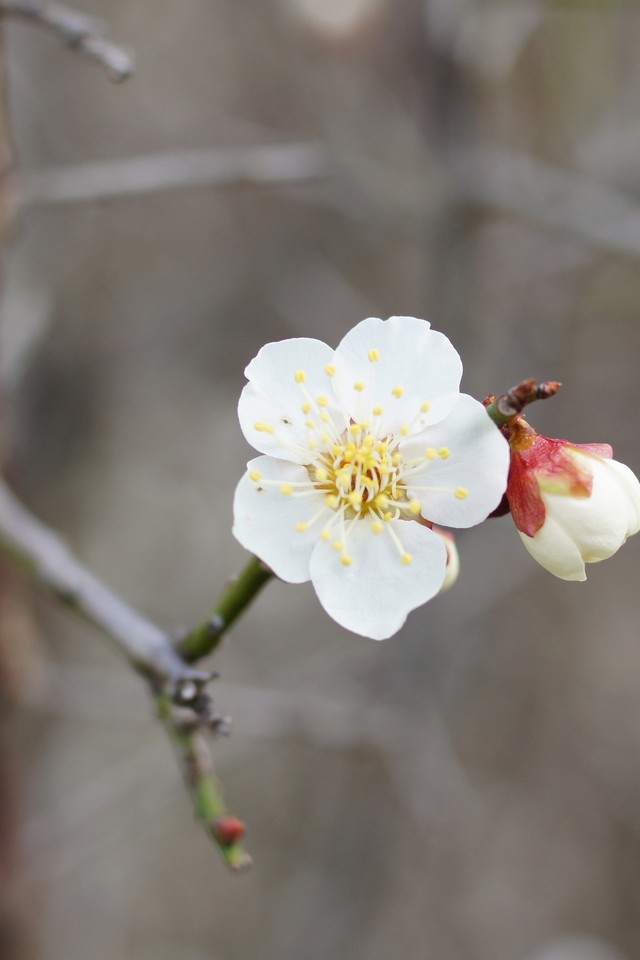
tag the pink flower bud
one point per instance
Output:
(572, 504)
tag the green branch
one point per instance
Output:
(206, 637)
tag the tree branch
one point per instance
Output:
(48, 559)
(77, 30)
(268, 165)
(182, 704)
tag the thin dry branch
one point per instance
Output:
(562, 200)
(77, 30)
(269, 165)
(182, 704)
(48, 559)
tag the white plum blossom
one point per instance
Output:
(572, 504)
(363, 449)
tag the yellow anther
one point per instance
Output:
(324, 438)
(312, 443)
(337, 450)
(325, 417)
(287, 489)
(326, 535)
(430, 454)
(262, 427)
(255, 475)
(377, 527)
(355, 428)
(396, 459)
(338, 545)
(306, 407)
(404, 431)
(321, 473)
(378, 411)
(374, 355)
(322, 401)
(359, 386)
(355, 498)
(300, 376)
(330, 370)
(368, 441)
(381, 501)
(407, 559)
(302, 527)
(387, 516)
(398, 392)
(444, 453)
(461, 493)
(311, 424)
(425, 408)
(381, 446)
(414, 507)
(346, 561)
(331, 501)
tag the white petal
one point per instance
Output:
(265, 519)
(274, 398)
(373, 596)
(630, 489)
(597, 524)
(555, 551)
(477, 465)
(417, 363)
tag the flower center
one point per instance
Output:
(361, 475)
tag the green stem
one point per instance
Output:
(206, 637)
(203, 787)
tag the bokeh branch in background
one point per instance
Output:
(79, 31)
(269, 165)
(182, 703)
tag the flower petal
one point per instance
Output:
(630, 486)
(597, 524)
(375, 593)
(555, 551)
(465, 480)
(282, 408)
(397, 365)
(265, 519)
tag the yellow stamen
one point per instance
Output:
(359, 386)
(287, 489)
(444, 453)
(377, 527)
(425, 408)
(461, 493)
(378, 411)
(322, 401)
(404, 431)
(306, 407)
(326, 535)
(302, 527)
(255, 475)
(374, 355)
(398, 392)
(430, 454)
(346, 561)
(407, 559)
(300, 376)
(337, 545)
(330, 370)
(414, 507)
(262, 427)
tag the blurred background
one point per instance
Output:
(470, 789)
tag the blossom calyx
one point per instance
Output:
(571, 503)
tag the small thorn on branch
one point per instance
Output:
(507, 407)
(78, 31)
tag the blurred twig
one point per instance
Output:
(79, 31)
(269, 165)
(550, 196)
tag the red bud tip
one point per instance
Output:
(228, 830)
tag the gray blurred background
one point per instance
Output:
(470, 789)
